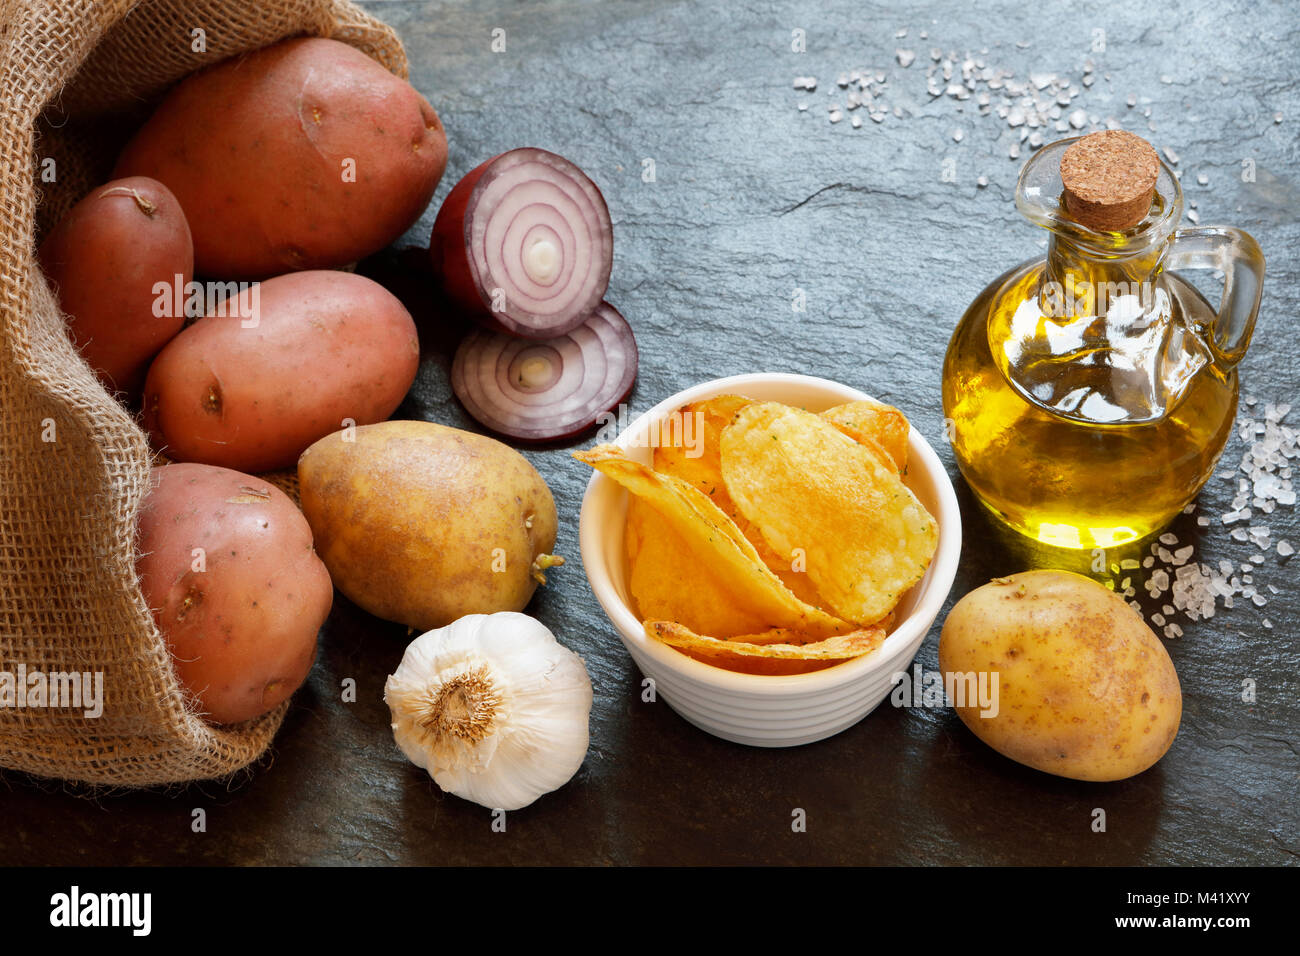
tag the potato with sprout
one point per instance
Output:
(421, 524)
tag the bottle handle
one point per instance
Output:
(1237, 255)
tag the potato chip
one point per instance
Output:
(716, 543)
(760, 654)
(699, 459)
(873, 423)
(809, 488)
(699, 462)
(668, 581)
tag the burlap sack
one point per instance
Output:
(76, 77)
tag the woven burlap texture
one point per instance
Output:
(76, 77)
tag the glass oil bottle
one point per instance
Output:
(1089, 394)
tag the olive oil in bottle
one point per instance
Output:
(1090, 394)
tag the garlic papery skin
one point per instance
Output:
(493, 707)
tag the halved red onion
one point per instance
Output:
(544, 390)
(525, 243)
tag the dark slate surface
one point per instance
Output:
(751, 200)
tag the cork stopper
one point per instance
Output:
(1109, 180)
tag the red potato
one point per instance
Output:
(307, 154)
(106, 260)
(320, 348)
(227, 567)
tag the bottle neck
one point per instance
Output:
(1083, 282)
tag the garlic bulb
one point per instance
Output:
(494, 707)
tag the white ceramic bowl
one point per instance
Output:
(762, 710)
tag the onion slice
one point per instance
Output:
(524, 243)
(543, 390)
